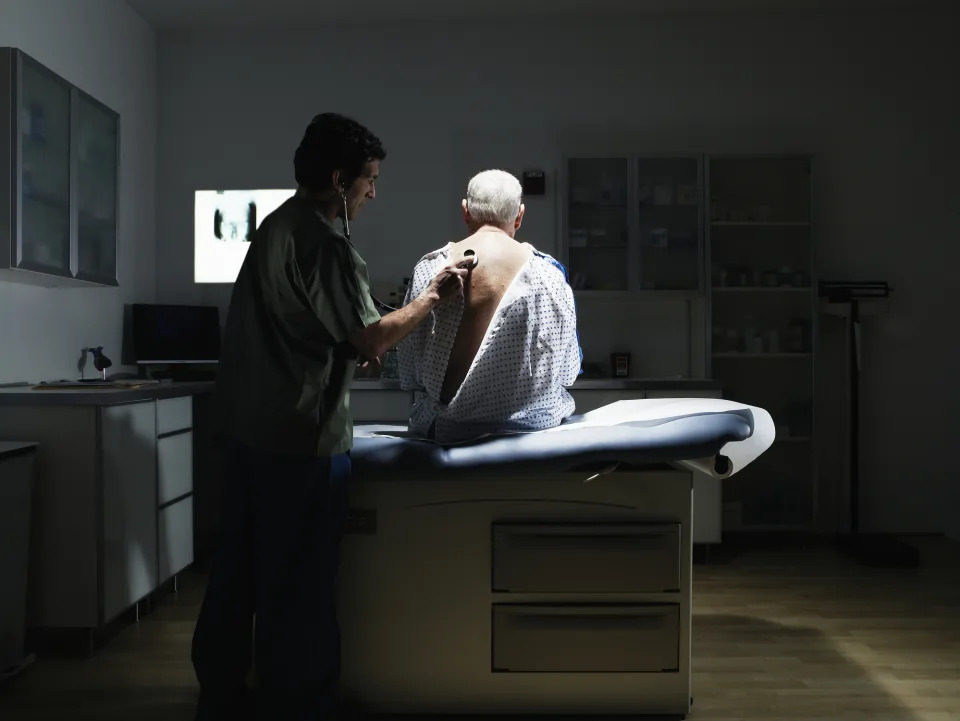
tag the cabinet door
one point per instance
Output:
(669, 206)
(175, 535)
(597, 224)
(43, 240)
(174, 466)
(97, 136)
(129, 458)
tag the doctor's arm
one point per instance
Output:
(377, 338)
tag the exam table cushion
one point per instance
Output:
(627, 433)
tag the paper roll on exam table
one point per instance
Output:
(533, 573)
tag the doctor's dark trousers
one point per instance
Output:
(276, 561)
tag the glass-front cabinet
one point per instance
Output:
(633, 223)
(97, 134)
(59, 152)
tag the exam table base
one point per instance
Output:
(444, 580)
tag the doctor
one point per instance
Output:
(300, 316)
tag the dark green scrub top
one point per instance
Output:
(283, 383)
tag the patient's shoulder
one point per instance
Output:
(440, 254)
(552, 268)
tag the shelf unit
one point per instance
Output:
(762, 317)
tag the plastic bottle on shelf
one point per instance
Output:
(390, 365)
(732, 345)
(773, 341)
(749, 333)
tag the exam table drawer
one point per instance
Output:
(586, 558)
(586, 638)
(174, 414)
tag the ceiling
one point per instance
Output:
(275, 14)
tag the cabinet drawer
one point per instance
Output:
(175, 537)
(586, 558)
(174, 414)
(584, 638)
(700, 393)
(380, 405)
(174, 466)
(590, 399)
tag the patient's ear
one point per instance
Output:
(466, 213)
(519, 220)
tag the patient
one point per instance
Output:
(499, 358)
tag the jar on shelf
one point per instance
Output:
(773, 340)
(390, 364)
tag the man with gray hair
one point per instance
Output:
(498, 359)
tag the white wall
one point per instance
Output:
(869, 95)
(106, 49)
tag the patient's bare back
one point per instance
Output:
(500, 259)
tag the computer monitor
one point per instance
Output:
(165, 334)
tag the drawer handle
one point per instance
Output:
(574, 622)
(618, 610)
(175, 500)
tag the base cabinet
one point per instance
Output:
(113, 504)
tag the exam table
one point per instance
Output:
(532, 573)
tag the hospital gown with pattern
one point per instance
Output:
(517, 381)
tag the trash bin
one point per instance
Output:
(16, 490)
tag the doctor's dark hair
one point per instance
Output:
(333, 141)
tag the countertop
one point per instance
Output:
(27, 395)
(94, 396)
(13, 448)
(389, 384)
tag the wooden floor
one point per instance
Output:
(779, 634)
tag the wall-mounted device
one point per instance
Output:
(534, 182)
(620, 365)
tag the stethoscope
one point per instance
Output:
(469, 253)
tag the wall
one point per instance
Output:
(866, 94)
(106, 49)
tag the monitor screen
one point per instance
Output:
(224, 222)
(175, 333)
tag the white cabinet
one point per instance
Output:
(113, 499)
(174, 499)
(175, 538)
(174, 466)
(129, 535)
(17, 462)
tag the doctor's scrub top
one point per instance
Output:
(286, 364)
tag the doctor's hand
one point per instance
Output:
(372, 363)
(368, 367)
(446, 285)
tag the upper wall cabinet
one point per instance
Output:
(633, 223)
(59, 170)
